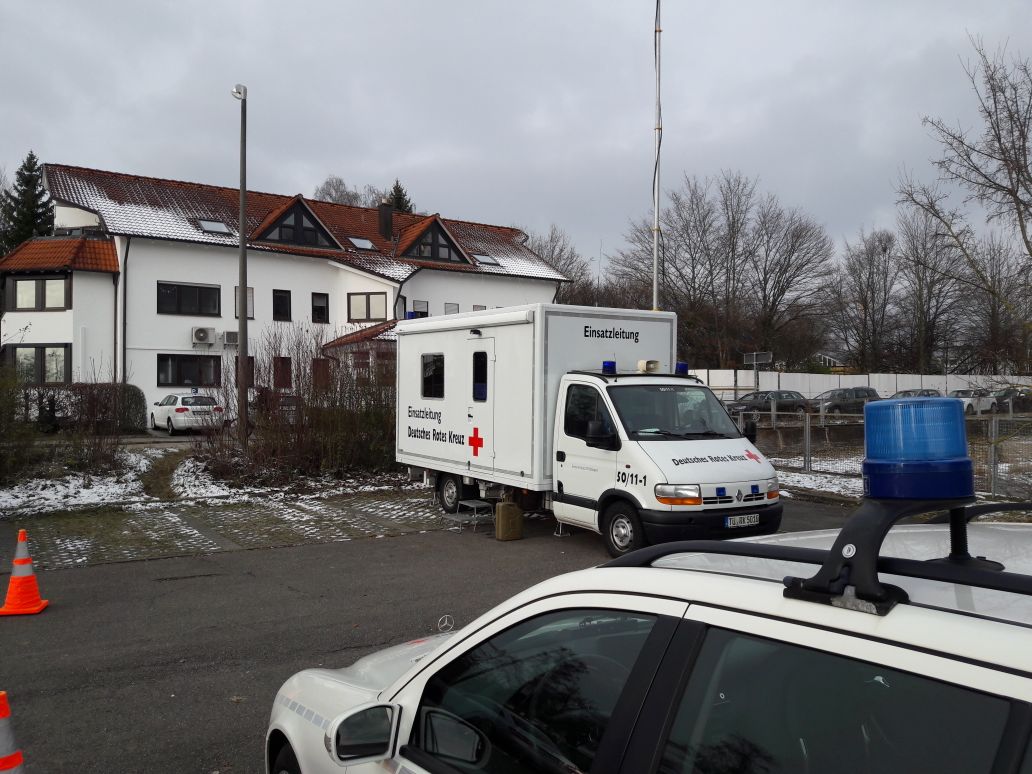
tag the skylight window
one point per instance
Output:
(487, 260)
(214, 226)
(361, 244)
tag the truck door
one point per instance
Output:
(582, 472)
(480, 400)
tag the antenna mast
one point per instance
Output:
(655, 175)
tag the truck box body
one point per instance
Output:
(477, 391)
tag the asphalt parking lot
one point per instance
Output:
(171, 664)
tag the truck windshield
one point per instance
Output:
(658, 412)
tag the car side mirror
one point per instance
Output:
(157, 403)
(750, 431)
(366, 734)
(597, 438)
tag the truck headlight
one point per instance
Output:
(679, 494)
(773, 491)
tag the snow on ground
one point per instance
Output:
(846, 486)
(75, 490)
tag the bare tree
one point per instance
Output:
(864, 299)
(556, 249)
(788, 277)
(335, 189)
(929, 290)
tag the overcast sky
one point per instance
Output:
(527, 112)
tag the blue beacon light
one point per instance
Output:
(916, 449)
(609, 366)
(681, 369)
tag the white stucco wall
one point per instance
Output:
(41, 327)
(73, 217)
(92, 326)
(441, 287)
(150, 333)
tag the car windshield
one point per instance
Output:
(657, 412)
(198, 400)
(962, 394)
(826, 395)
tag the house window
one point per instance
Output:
(281, 373)
(480, 376)
(175, 298)
(367, 307)
(298, 227)
(420, 309)
(250, 370)
(281, 305)
(479, 307)
(433, 376)
(435, 246)
(214, 226)
(320, 372)
(189, 370)
(236, 302)
(320, 307)
(360, 360)
(39, 295)
(451, 308)
(43, 363)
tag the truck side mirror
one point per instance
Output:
(599, 439)
(750, 431)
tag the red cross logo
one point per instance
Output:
(476, 441)
(750, 455)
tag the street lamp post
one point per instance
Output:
(243, 373)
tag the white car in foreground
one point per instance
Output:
(705, 657)
(187, 411)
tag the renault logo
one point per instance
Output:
(739, 496)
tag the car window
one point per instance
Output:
(198, 400)
(750, 396)
(584, 404)
(1026, 767)
(783, 708)
(538, 695)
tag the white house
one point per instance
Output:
(138, 284)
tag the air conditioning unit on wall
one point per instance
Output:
(230, 338)
(202, 336)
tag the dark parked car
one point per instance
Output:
(844, 400)
(1018, 395)
(917, 394)
(784, 400)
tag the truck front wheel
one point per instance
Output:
(450, 489)
(622, 529)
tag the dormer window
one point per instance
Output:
(298, 227)
(434, 245)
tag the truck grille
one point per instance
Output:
(727, 500)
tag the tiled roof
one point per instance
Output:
(168, 209)
(52, 253)
(383, 331)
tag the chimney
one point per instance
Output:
(386, 220)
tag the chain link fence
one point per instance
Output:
(1000, 447)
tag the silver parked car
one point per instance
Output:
(187, 411)
(976, 401)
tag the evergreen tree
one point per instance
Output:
(25, 209)
(399, 198)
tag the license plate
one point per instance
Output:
(197, 413)
(745, 520)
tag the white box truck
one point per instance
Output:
(578, 410)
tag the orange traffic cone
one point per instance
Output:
(10, 755)
(23, 591)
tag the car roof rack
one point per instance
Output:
(628, 374)
(848, 576)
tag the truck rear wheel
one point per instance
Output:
(451, 489)
(622, 529)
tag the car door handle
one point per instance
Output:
(560, 456)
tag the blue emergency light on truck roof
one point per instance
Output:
(681, 369)
(609, 366)
(916, 449)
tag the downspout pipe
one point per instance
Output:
(125, 306)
